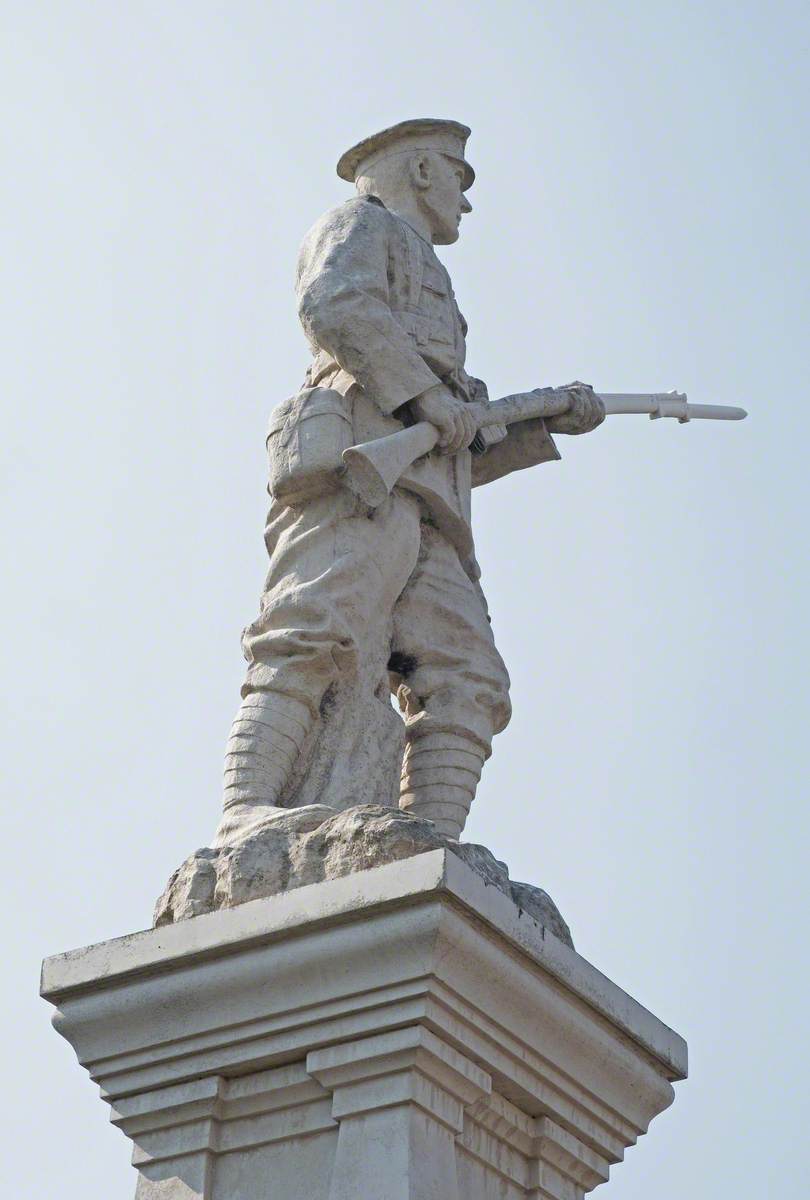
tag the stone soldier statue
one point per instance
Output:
(360, 602)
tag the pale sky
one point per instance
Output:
(640, 222)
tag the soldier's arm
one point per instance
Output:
(344, 304)
(526, 444)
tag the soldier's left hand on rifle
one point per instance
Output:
(586, 412)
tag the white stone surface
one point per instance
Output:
(361, 601)
(299, 846)
(402, 1032)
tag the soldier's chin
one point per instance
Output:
(446, 235)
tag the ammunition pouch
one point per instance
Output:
(305, 442)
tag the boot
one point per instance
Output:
(265, 741)
(440, 773)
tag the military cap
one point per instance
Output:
(426, 133)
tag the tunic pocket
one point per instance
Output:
(426, 328)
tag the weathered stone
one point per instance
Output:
(296, 847)
(539, 905)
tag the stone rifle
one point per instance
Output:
(374, 467)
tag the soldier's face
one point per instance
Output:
(443, 200)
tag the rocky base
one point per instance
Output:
(299, 846)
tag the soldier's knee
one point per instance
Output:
(501, 711)
(461, 706)
(307, 658)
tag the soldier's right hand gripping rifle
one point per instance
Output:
(375, 467)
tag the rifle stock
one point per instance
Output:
(374, 467)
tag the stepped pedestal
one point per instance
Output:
(404, 1033)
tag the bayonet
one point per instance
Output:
(668, 404)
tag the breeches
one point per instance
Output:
(378, 596)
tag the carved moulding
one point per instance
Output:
(398, 1034)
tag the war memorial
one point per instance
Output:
(340, 999)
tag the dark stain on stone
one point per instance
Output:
(402, 664)
(327, 701)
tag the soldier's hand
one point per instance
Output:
(585, 412)
(451, 417)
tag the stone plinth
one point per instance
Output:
(404, 1033)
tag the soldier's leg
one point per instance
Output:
(453, 686)
(335, 573)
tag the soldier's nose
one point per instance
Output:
(466, 207)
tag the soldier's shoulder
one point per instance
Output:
(359, 213)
